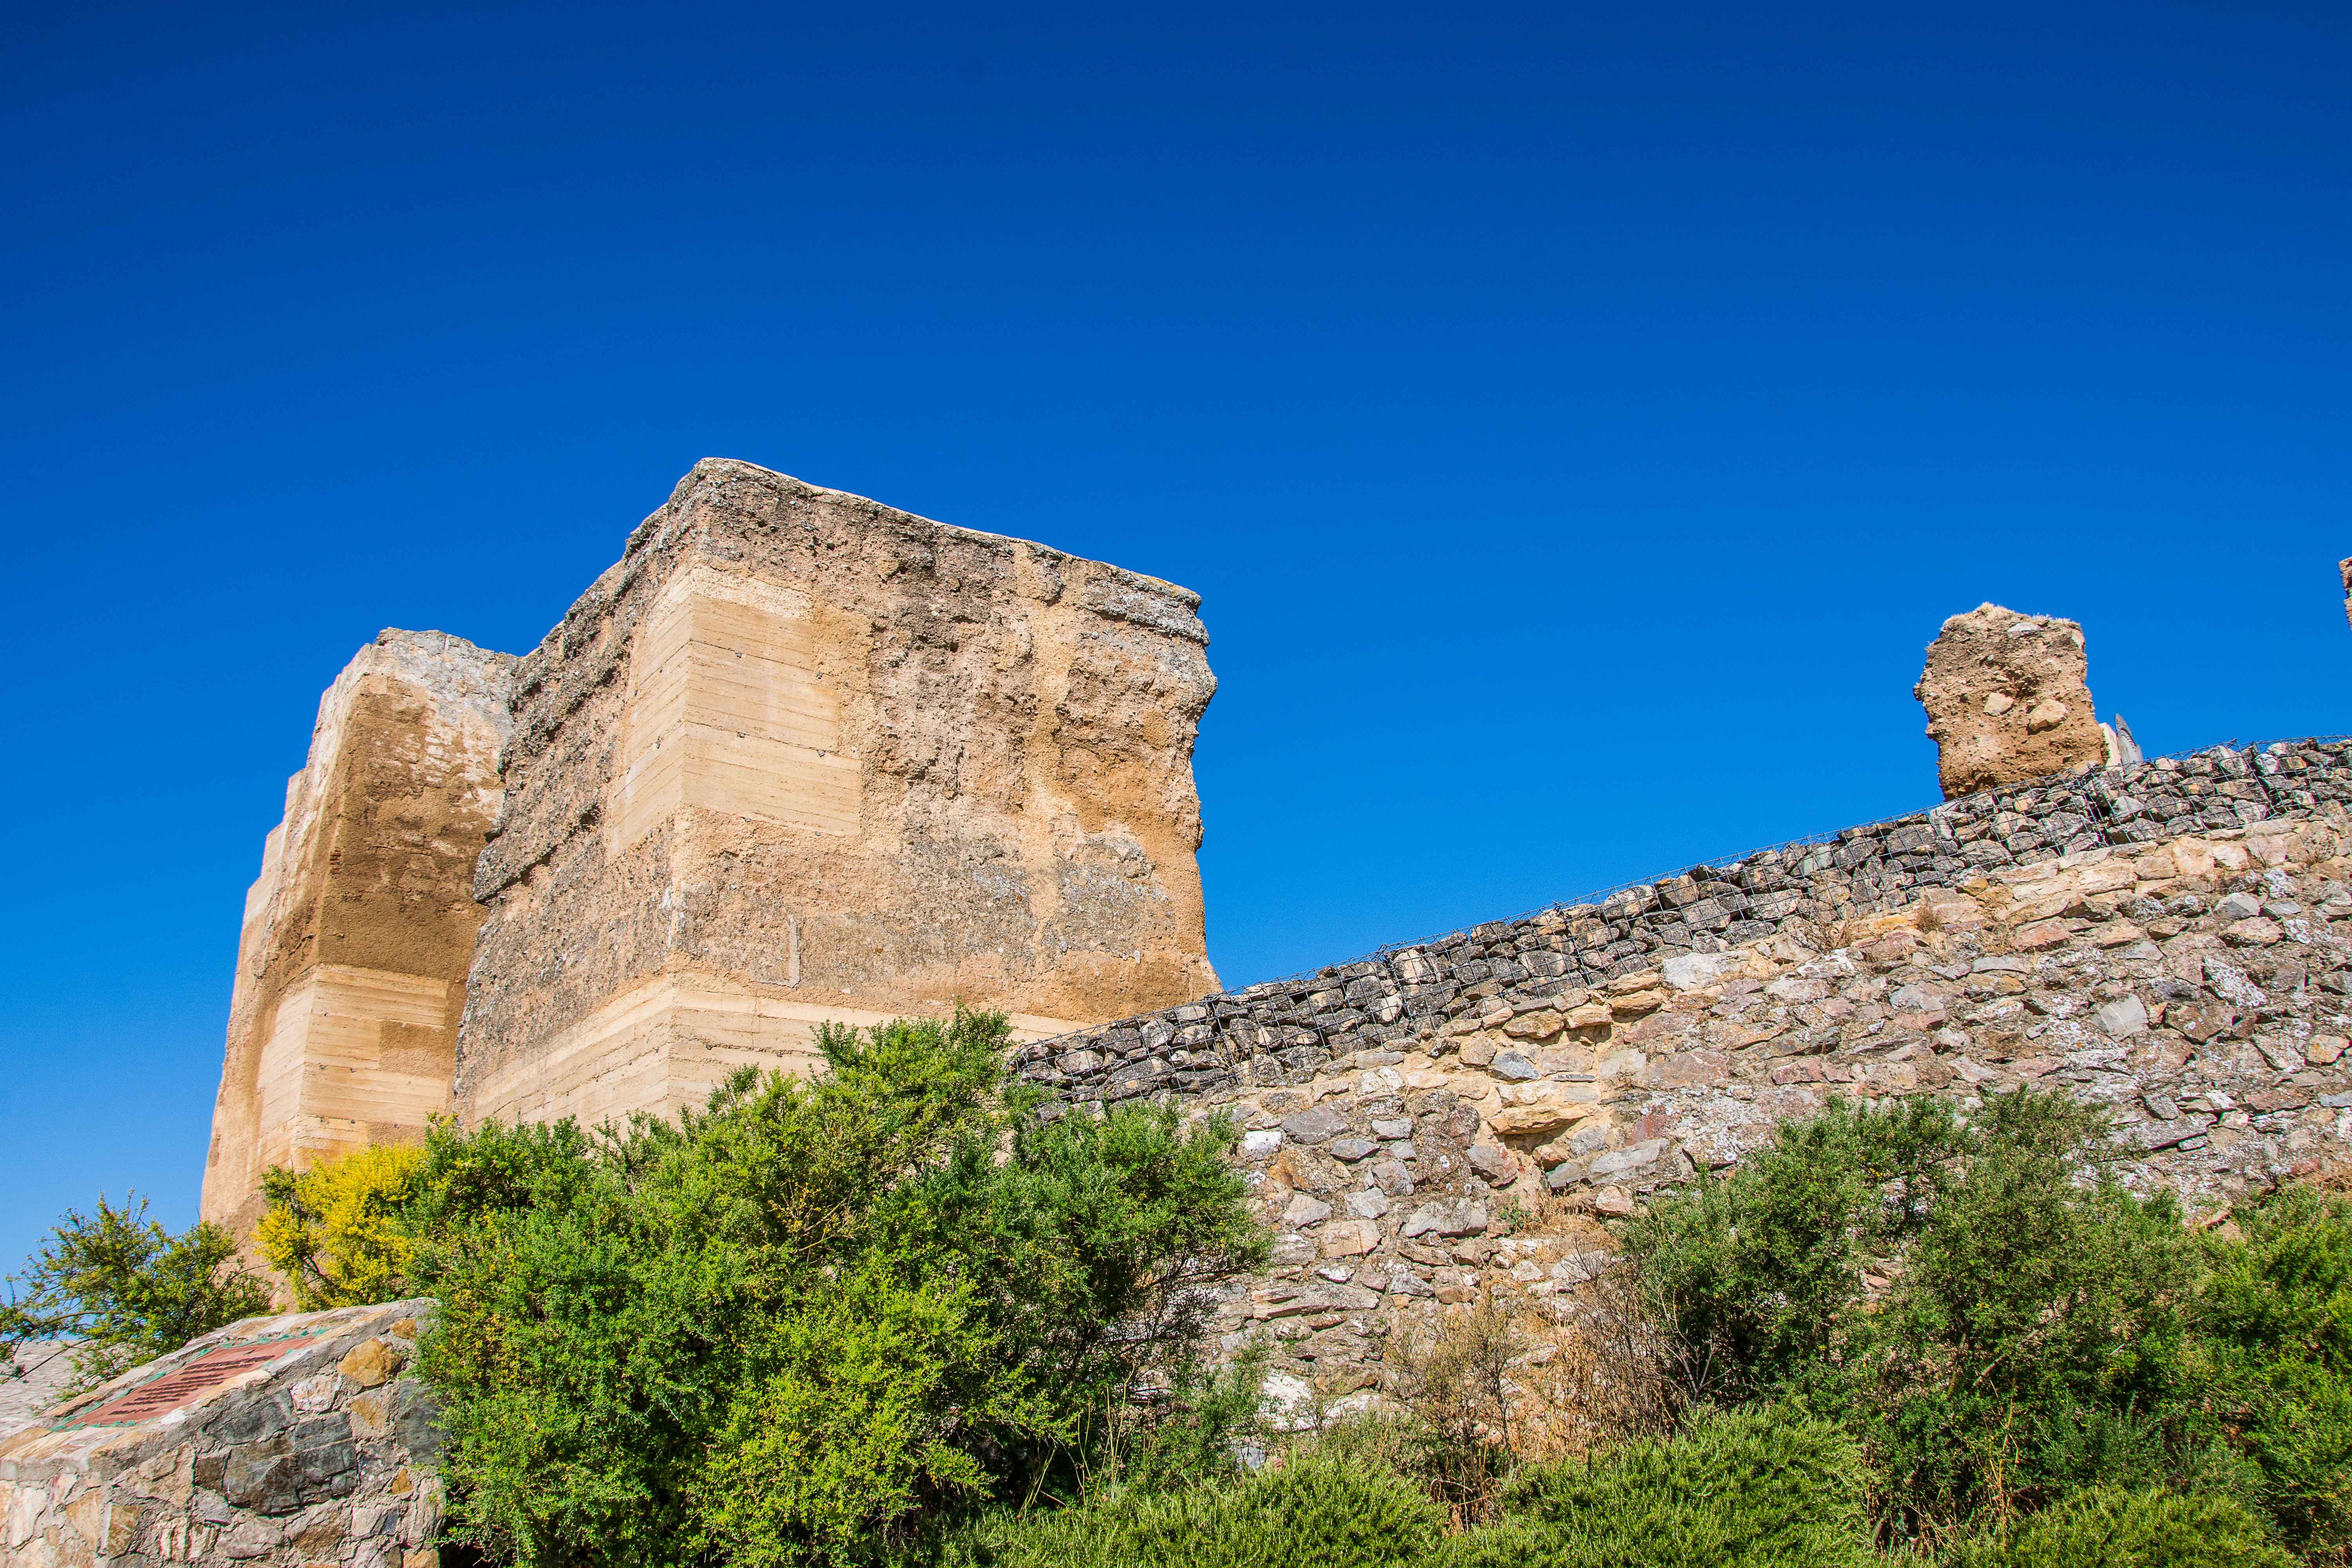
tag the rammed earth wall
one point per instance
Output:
(2172, 940)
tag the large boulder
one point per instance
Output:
(2007, 701)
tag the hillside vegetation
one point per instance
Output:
(904, 1315)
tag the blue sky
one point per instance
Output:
(1576, 419)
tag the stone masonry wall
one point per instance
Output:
(2172, 940)
(300, 1441)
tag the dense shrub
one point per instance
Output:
(842, 1322)
(2106, 1528)
(1754, 1488)
(1316, 1511)
(2274, 1337)
(815, 1322)
(1992, 1317)
(127, 1289)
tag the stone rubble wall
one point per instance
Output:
(2172, 940)
(319, 1454)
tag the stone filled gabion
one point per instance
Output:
(2168, 939)
(277, 1442)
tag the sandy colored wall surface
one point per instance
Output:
(800, 756)
(357, 934)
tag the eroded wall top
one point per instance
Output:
(2008, 701)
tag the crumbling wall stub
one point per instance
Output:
(275, 1442)
(2171, 940)
(357, 933)
(2007, 701)
(799, 756)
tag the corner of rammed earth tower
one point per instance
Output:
(357, 933)
(798, 757)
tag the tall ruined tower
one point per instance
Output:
(350, 965)
(799, 757)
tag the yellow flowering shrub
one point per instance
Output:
(333, 1230)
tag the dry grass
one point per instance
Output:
(1597, 1372)
(1510, 1379)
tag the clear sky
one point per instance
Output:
(1577, 418)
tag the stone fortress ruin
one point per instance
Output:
(795, 757)
(799, 757)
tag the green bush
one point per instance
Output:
(1753, 1489)
(128, 1290)
(1994, 1319)
(2273, 1322)
(815, 1323)
(2106, 1528)
(1316, 1511)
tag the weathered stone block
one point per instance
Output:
(2007, 701)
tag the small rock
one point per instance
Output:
(1314, 1126)
(1493, 1162)
(1352, 1149)
(1631, 1158)
(2284, 1055)
(1689, 970)
(2324, 1049)
(1538, 1026)
(1527, 1120)
(1513, 1067)
(1369, 1204)
(1258, 1144)
(2259, 932)
(370, 1364)
(313, 1394)
(1305, 1210)
(1447, 1216)
(2041, 933)
(1390, 1129)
